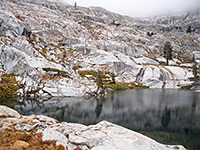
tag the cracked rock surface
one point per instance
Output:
(47, 43)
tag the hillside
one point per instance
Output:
(55, 49)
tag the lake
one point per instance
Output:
(168, 116)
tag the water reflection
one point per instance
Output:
(99, 106)
(171, 111)
(166, 116)
(10, 102)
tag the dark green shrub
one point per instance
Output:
(8, 86)
(88, 72)
(118, 86)
(187, 87)
(59, 72)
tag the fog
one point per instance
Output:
(140, 8)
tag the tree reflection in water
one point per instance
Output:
(170, 116)
(166, 116)
(99, 106)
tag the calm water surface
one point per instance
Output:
(169, 116)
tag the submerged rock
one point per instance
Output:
(102, 136)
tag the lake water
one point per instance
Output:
(169, 116)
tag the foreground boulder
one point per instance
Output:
(102, 136)
(8, 112)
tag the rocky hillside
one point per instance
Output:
(55, 49)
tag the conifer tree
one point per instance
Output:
(113, 78)
(99, 81)
(189, 29)
(75, 5)
(167, 51)
(194, 67)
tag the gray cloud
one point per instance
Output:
(140, 8)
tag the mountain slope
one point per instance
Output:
(48, 44)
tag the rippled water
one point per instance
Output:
(169, 116)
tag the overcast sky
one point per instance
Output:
(140, 8)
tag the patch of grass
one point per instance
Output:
(118, 86)
(141, 86)
(8, 86)
(87, 72)
(44, 50)
(132, 85)
(82, 73)
(52, 78)
(187, 87)
(187, 60)
(110, 73)
(125, 86)
(59, 72)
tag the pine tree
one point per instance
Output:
(194, 67)
(75, 5)
(189, 29)
(99, 81)
(113, 78)
(167, 51)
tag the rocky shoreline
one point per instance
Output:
(52, 134)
